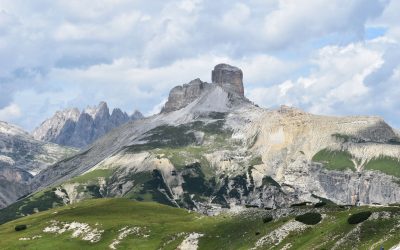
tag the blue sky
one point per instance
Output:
(328, 57)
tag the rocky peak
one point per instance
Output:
(229, 77)
(73, 128)
(180, 96)
(137, 115)
(100, 110)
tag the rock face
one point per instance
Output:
(180, 96)
(22, 157)
(73, 128)
(229, 77)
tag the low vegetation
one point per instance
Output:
(268, 219)
(359, 217)
(320, 204)
(309, 218)
(334, 159)
(20, 227)
(385, 164)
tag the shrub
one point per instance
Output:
(20, 227)
(359, 217)
(320, 204)
(302, 204)
(267, 219)
(309, 218)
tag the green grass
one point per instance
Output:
(92, 176)
(385, 164)
(334, 159)
(40, 201)
(164, 223)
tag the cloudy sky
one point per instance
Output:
(339, 57)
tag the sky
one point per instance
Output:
(331, 57)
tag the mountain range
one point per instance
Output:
(213, 151)
(73, 128)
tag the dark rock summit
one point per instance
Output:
(228, 77)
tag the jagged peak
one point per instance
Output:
(100, 109)
(137, 115)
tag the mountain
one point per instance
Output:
(212, 150)
(122, 224)
(22, 157)
(73, 128)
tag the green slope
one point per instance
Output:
(166, 227)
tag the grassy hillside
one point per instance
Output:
(334, 160)
(142, 225)
(385, 164)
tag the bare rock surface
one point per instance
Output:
(229, 77)
(22, 157)
(79, 129)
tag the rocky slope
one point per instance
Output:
(22, 157)
(211, 149)
(79, 129)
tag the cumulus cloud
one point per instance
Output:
(313, 54)
(360, 78)
(10, 112)
(293, 21)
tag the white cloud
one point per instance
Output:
(336, 84)
(64, 53)
(236, 17)
(294, 21)
(157, 108)
(10, 112)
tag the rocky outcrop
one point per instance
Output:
(229, 77)
(180, 96)
(14, 183)
(73, 128)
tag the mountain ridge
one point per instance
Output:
(71, 127)
(220, 151)
(21, 158)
